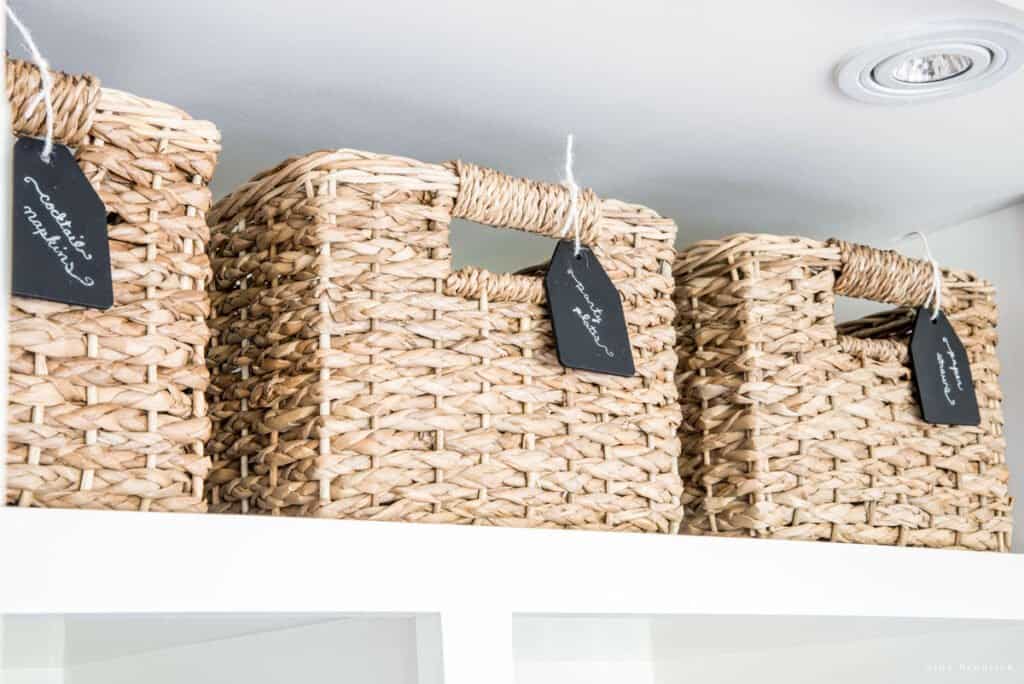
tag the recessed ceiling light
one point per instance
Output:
(932, 68)
(936, 61)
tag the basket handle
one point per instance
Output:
(496, 199)
(74, 102)
(882, 275)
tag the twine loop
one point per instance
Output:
(45, 94)
(69, 102)
(935, 294)
(572, 218)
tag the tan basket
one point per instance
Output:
(356, 376)
(794, 428)
(107, 407)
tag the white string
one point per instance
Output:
(45, 94)
(571, 220)
(935, 294)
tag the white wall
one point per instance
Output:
(32, 675)
(993, 246)
(766, 649)
(567, 650)
(377, 651)
(174, 649)
(971, 654)
(32, 649)
(547, 650)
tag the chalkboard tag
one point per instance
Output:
(586, 314)
(942, 372)
(60, 230)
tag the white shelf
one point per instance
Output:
(61, 561)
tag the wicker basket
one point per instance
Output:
(796, 428)
(354, 375)
(107, 407)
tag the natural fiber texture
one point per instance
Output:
(356, 376)
(107, 408)
(795, 429)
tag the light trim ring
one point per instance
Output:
(995, 50)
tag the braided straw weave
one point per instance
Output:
(354, 375)
(107, 408)
(796, 428)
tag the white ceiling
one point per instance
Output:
(719, 113)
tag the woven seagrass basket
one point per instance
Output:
(355, 375)
(107, 408)
(794, 427)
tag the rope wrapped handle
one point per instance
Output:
(882, 275)
(74, 102)
(496, 199)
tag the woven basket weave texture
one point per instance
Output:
(794, 427)
(355, 375)
(107, 408)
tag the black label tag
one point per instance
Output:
(942, 373)
(586, 314)
(61, 251)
